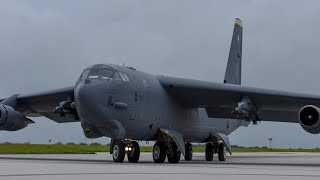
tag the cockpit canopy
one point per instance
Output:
(103, 71)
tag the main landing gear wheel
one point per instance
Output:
(134, 154)
(118, 151)
(209, 152)
(221, 152)
(159, 152)
(188, 155)
(175, 154)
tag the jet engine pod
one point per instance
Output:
(309, 119)
(12, 120)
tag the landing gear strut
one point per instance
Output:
(122, 147)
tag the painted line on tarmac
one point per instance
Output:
(221, 174)
(197, 162)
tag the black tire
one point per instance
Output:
(209, 152)
(134, 155)
(188, 155)
(159, 152)
(118, 151)
(221, 152)
(175, 155)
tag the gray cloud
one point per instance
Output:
(46, 44)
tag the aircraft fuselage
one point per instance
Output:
(137, 106)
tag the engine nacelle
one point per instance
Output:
(12, 120)
(309, 119)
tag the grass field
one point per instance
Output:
(89, 149)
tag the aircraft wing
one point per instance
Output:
(44, 104)
(220, 100)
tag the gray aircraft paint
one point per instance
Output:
(233, 71)
(150, 107)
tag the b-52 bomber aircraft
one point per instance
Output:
(128, 105)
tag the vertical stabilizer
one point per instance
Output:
(233, 72)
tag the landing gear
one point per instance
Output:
(118, 151)
(122, 147)
(215, 148)
(162, 149)
(133, 152)
(188, 155)
(221, 152)
(159, 152)
(209, 151)
(174, 153)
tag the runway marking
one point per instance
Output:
(111, 173)
(166, 164)
(95, 166)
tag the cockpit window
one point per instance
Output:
(126, 77)
(123, 76)
(97, 73)
(94, 73)
(105, 72)
(116, 76)
(85, 73)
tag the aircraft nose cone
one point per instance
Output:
(91, 99)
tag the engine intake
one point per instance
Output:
(309, 119)
(12, 120)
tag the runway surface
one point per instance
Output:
(100, 166)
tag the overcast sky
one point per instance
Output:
(46, 44)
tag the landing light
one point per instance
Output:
(126, 148)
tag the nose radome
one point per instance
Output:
(82, 93)
(91, 92)
(91, 99)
